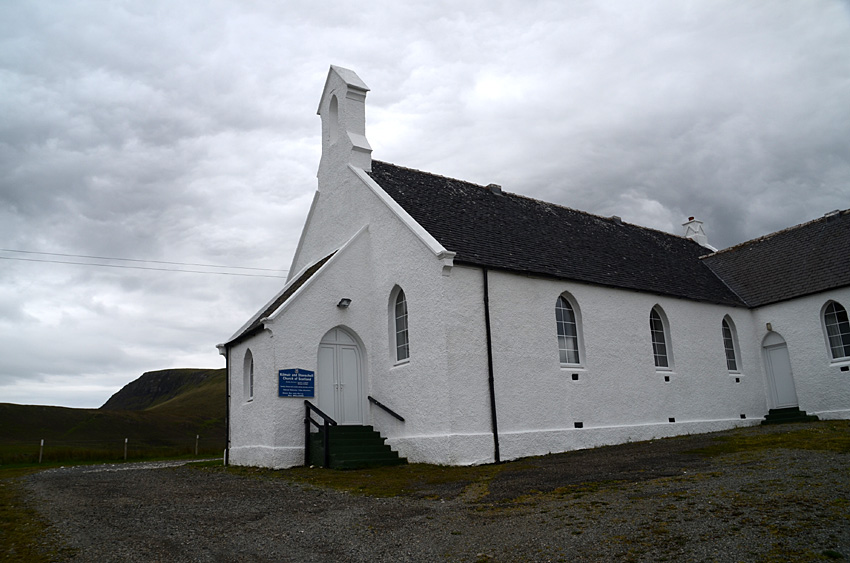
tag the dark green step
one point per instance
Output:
(353, 447)
(788, 415)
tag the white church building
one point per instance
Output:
(470, 325)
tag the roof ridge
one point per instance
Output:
(769, 236)
(528, 198)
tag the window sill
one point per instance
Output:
(401, 363)
(840, 362)
(667, 374)
(572, 367)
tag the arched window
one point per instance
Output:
(660, 331)
(730, 344)
(837, 329)
(398, 325)
(567, 325)
(248, 376)
(333, 120)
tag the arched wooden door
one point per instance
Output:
(340, 377)
(778, 365)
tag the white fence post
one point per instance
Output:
(41, 450)
(125, 449)
(197, 437)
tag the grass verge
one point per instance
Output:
(414, 479)
(829, 435)
(21, 527)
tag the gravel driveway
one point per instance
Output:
(642, 502)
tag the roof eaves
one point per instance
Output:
(636, 288)
(255, 323)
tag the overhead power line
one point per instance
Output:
(137, 260)
(128, 267)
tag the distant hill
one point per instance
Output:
(162, 410)
(156, 387)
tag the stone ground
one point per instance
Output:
(650, 501)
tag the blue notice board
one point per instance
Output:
(296, 382)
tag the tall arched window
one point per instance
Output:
(248, 376)
(398, 316)
(837, 329)
(333, 120)
(567, 325)
(730, 344)
(660, 338)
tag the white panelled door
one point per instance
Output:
(778, 364)
(340, 380)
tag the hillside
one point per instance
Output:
(164, 410)
(156, 387)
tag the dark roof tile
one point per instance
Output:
(257, 325)
(797, 261)
(521, 234)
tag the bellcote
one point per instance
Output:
(343, 112)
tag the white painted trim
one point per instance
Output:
(843, 360)
(289, 282)
(271, 318)
(427, 239)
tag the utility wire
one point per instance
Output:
(146, 267)
(136, 260)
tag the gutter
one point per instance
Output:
(490, 380)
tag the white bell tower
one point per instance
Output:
(343, 112)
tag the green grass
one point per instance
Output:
(166, 429)
(414, 479)
(437, 481)
(824, 436)
(21, 527)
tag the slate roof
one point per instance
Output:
(257, 324)
(521, 234)
(797, 261)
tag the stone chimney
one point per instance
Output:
(343, 112)
(694, 231)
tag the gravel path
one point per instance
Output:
(640, 502)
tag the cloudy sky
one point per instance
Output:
(169, 133)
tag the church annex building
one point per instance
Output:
(469, 325)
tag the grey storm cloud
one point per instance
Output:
(186, 132)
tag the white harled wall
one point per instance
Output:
(442, 391)
(616, 393)
(822, 388)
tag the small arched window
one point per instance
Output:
(837, 329)
(730, 344)
(333, 119)
(567, 325)
(660, 338)
(248, 376)
(398, 317)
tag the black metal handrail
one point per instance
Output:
(385, 407)
(327, 422)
